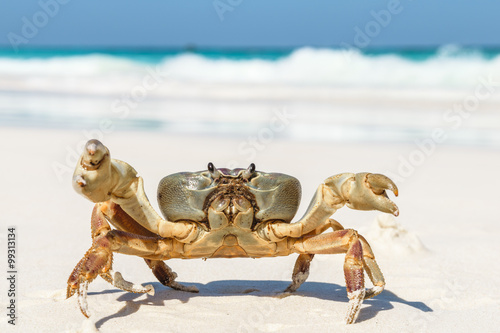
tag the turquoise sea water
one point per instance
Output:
(156, 55)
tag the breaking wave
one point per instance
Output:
(448, 67)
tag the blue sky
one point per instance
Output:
(247, 23)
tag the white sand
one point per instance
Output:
(440, 257)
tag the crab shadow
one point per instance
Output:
(274, 289)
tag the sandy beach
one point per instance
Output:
(439, 257)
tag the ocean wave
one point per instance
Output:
(339, 95)
(447, 68)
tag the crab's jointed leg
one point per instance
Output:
(122, 221)
(98, 261)
(140, 242)
(301, 268)
(358, 259)
(300, 271)
(167, 277)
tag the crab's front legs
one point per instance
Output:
(98, 261)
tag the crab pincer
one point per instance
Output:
(367, 191)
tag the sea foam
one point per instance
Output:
(447, 68)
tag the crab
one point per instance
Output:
(222, 213)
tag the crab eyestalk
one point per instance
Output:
(214, 172)
(249, 171)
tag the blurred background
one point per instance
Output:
(383, 71)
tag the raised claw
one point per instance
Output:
(379, 183)
(367, 192)
(93, 154)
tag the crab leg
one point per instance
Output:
(354, 279)
(301, 268)
(98, 261)
(100, 178)
(167, 277)
(92, 258)
(122, 221)
(346, 241)
(117, 280)
(300, 272)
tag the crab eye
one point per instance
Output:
(213, 171)
(249, 171)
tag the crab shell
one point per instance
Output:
(188, 195)
(230, 205)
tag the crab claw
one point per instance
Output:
(93, 154)
(94, 176)
(379, 183)
(368, 192)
